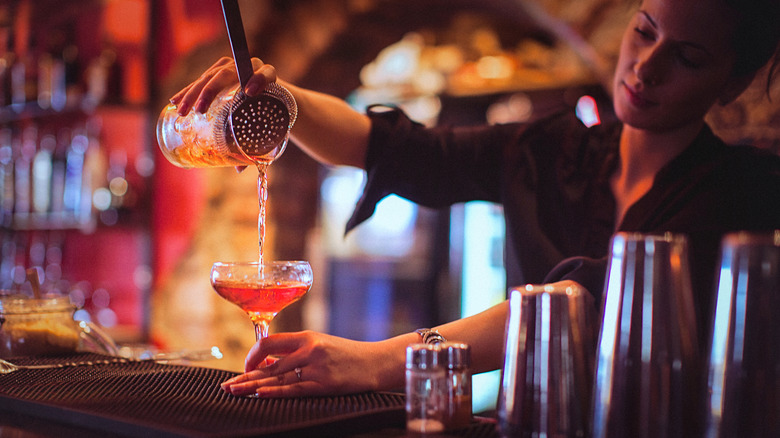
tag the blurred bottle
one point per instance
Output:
(73, 190)
(58, 174)
(7, 258)
(17, 80)
(42, 175)
(19, 268)
(37, 251)
(117, 183)
(53, 260)
(51, 82)
(94, 192)
(6, 177)
(23, 173)
(6, 61)
(24, 76)
(45, 67)
(70, 59)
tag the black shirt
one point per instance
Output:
(552, 178)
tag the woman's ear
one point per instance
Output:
(734, 87)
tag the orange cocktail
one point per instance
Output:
(262, 289)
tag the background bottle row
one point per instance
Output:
(55, 176)
(47, 73)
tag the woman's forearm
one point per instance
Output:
(484, 332)
(328, 129)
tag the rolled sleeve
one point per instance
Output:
(433, 167)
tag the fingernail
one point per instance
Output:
(251, 89)
(201, 106)
(182, 110)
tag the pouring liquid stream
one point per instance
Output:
(262, 321)
(262, 196)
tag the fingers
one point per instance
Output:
(310, 364)
(276, 383)
(243, 384)
(203, 91)
(281, 344)
(264, 75)
(189, 96)
(266, 377)
(294, 390)
(200, 93)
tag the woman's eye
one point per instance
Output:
(688, 62)
(643, 33)
(687, 59)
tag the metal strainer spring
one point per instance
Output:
(259, 124)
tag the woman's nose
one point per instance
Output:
(650, 65)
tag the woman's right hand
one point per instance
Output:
(200, 93)
(315, 364)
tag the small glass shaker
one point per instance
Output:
(456, 358)
(426, 389)
(236, 130)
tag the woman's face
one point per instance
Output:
(675, 62)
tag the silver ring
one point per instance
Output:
(298, 373)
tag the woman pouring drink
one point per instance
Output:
(565, 188)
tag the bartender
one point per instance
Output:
(565, 188)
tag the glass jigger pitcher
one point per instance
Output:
(546, 378)
(236, 130)
(647, 370)
(743, 390)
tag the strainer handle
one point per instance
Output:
(235, 30)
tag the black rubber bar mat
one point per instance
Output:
(144, 399)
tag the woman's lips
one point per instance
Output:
(636, 98)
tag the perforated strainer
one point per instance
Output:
(259, 125)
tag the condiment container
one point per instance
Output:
(30, 327)
(426, 390)
(456, 358)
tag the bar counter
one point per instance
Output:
(118, 397)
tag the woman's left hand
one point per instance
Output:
(312, 364)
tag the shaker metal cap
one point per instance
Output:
(455, 355)
(423, 357)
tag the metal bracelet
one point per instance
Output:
(430, 336)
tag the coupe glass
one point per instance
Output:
(647, 370)
(262, 289)
(744, 368)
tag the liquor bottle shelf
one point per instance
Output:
(50, 221)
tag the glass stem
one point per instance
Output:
(261, 330)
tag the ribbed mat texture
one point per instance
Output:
(146, 397)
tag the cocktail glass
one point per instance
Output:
(261, 289)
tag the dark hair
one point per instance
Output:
(757, 36)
